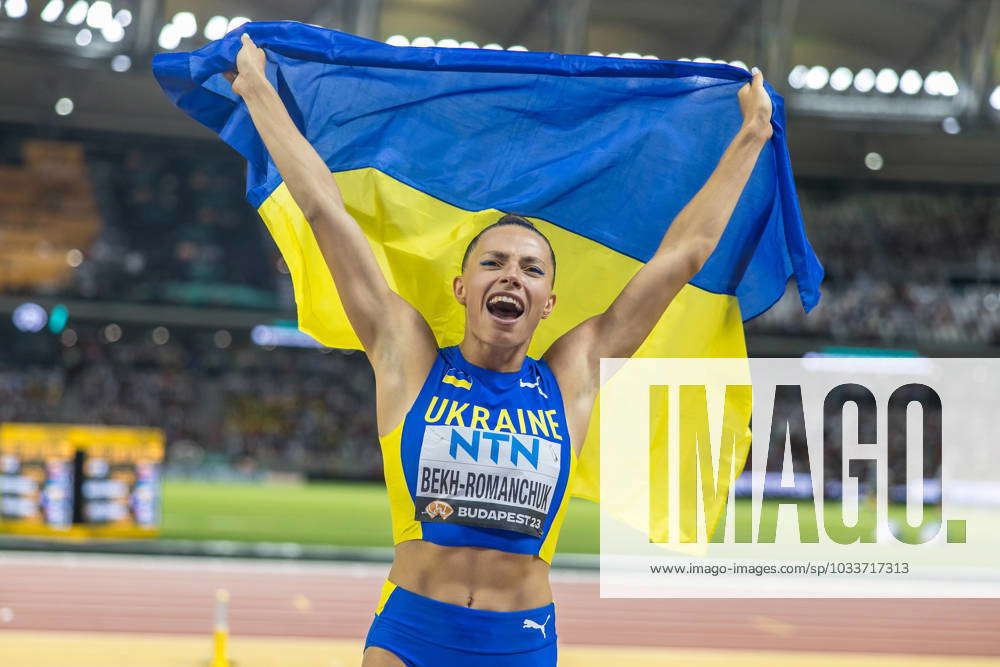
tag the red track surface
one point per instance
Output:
(173, 596)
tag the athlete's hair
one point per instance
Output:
(510, 219)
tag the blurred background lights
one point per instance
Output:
(216, 27)
(170, 37)
(910, 82)
(398, 40)
(16, 8)
(84, 37)
(236, 22)
(874, 161)
(817, 77)
(29, 317)
(864, 80)
(58, 318)
(161, 335)
(186, 24)
(52, 10)
(886, 81)
(995, 98)
(222, 339)
(77, 13)
(112, 32)
(112, 333)
(468, 45)
(797, 77)
(735, 63)
(99, 14)
(448, 43)
(951, 125)
(74, 258)
(124, 18)
(517, 47)
(841, 79)
(493, 46)
(64, 106)
(121, 63)
(422, 41)
(68, 337)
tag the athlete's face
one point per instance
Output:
(506, 286)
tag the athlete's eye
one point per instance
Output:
(536, 270)
(489, 262)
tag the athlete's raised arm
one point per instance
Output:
(691, 238)
(384, 321)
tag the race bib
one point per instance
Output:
(490, 479)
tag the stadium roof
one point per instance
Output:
(935, 123)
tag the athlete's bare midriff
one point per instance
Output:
(472, 577)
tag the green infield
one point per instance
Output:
(357, 514)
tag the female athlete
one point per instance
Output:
(479, 440)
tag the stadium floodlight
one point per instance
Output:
(947, 85)
(398, 40)
(864, 80)
(77, 13)
(817, 77)
(53, 9)
(16, 8)
(121, 63)
(734, 63)
(124, 18)
(702, 59)
(216, 27)
(422, 41)
(841, 78)
(236, 22)
(170, 38)
(911, 82)
(874, 161)
(517, 47)
(650, 56)
(113, 32)
(931, 83)
(595, 53)
(797, 77)
(951, 125)
(493, 46)
(632, 55)
(468, 45)
(614, 55)
(887, 81)
(64, 106)
(684, 60)
(99, 14)
(186, 23)
(995, 98)
(84, 37)
(448, 43)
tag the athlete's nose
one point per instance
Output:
(511, 278)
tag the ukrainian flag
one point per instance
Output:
(430, 145)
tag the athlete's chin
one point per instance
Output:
(509, 333)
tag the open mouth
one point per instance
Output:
(505, 307)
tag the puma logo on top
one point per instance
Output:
(528, 623)
(535, 385)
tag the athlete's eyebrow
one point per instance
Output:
(499, 254)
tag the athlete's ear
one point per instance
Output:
(550, 304)
(458, 287)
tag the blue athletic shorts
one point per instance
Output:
(427, 633)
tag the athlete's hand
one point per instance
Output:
(250, 62)
(755, 104)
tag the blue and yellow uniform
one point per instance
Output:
(482, 459)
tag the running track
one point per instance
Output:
(64, 592)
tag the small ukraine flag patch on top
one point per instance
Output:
(451, 379)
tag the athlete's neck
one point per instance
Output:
(491, 357)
